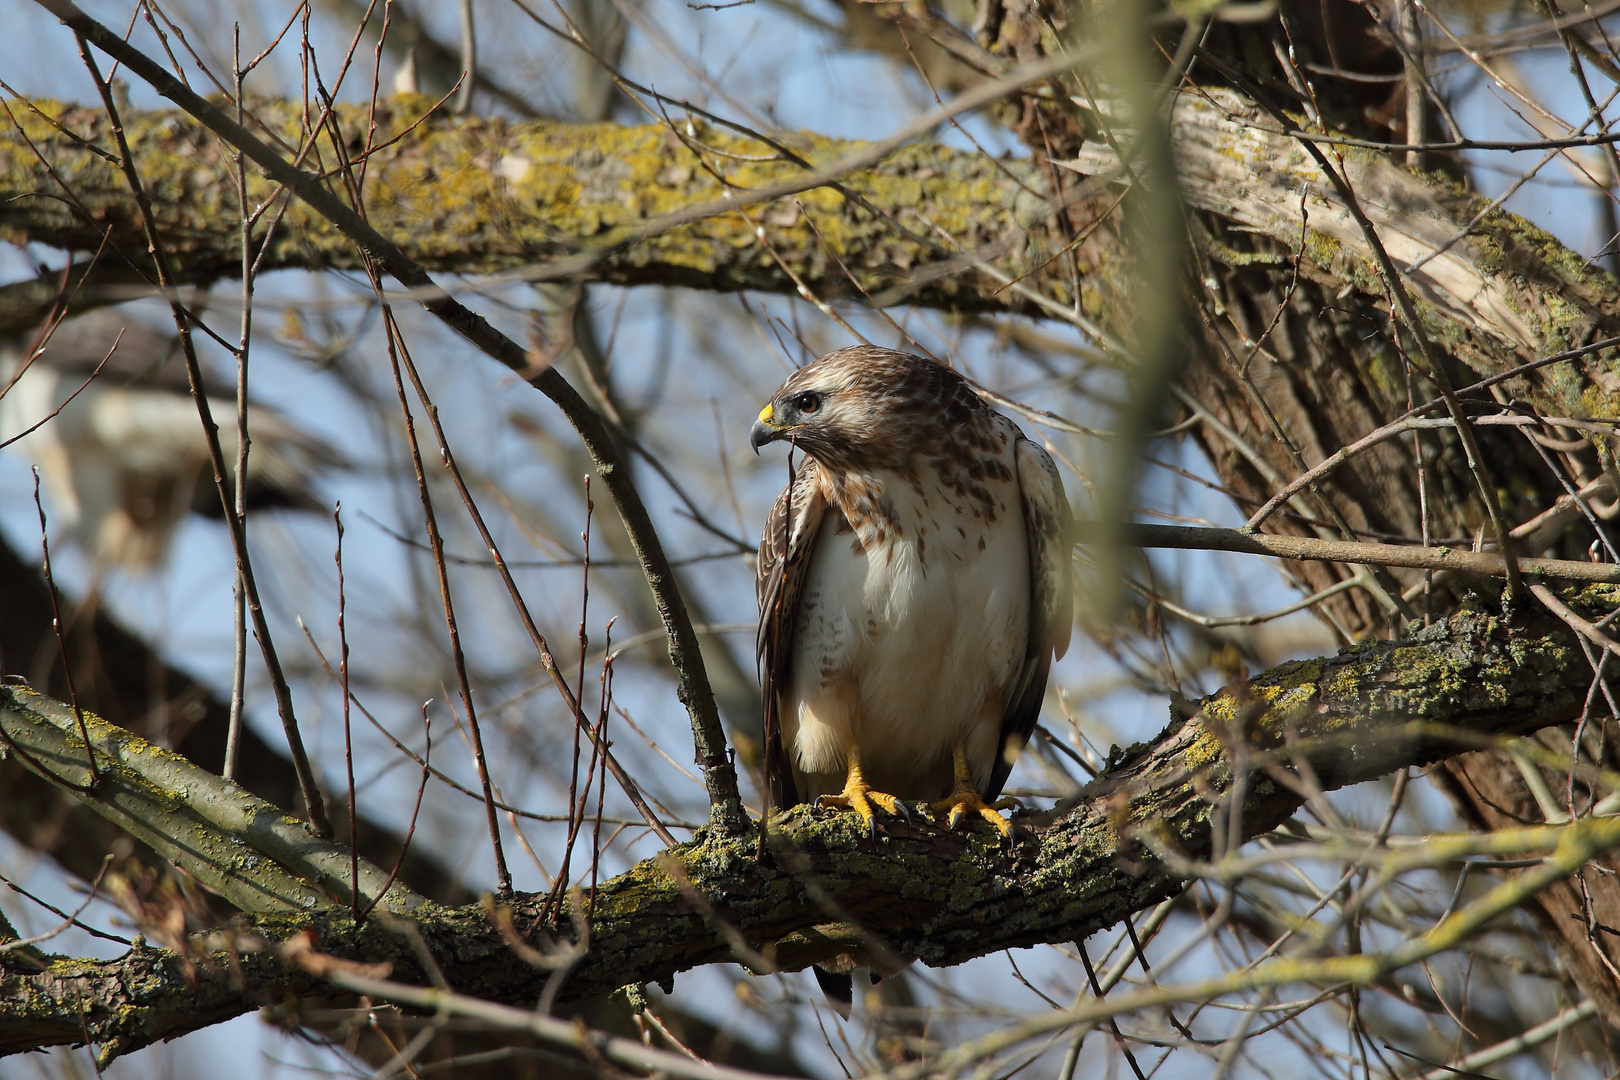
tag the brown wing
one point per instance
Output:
(784, 557)
(1048, 525)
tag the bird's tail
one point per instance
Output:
(838, 987)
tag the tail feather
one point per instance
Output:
(838, 988)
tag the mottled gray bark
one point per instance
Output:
(253, 853)
(477, 196)
(916, 892)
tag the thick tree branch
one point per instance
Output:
(120, 677)
(251, 852)
(475, 196)
(468, 195)
(465, 195)
(938, 897)
(1488, 289)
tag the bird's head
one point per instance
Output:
(857, 404)
(797, 413)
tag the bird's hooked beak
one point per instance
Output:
(764, 430)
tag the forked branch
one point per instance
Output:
(1126, 842)
(692, 680)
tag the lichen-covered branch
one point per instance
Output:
(940, 897)
(121, 679)
(1494, 293)
(127, 680)
(469, 195)
(475, 196)
(252, 853)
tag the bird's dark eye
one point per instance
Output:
(807, 402)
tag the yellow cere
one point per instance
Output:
(765, 414)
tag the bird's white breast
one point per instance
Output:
(909, 636)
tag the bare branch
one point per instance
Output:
(1486, 563)
(1126, 844)
(694, 691)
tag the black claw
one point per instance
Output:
(905, 812)
(1014, 830)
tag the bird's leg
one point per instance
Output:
(965, 797)
(859, 796)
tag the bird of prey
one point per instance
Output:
(125, 459)
(914, 588)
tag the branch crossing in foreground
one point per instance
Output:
(1125, 842)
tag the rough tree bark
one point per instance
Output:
(1273, 246)
(1128, 840)
(478, 196)
(1296, 354)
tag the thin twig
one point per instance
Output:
(1410, 422)
(694, 691)
(68, 921)
(410, 832)
(576, 805)
(52, 415)
(562, 1032)
(348, 736)
(469, 59)
(396, 350)
(604, 710)
(1586, 629)
(1113, 1024)
(1487, 563)
(1507, 1048)
(307, 787)
(54, 910)
(233, 732)
(61, 638)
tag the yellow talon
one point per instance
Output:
(859, 796)
(960, 801)
(965, 797)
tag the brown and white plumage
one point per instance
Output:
(913, 584)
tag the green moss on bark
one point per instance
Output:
(472, 195)
(934, 895)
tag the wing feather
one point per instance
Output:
(1048, 525)
(785, 548)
